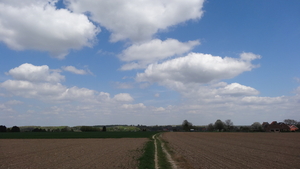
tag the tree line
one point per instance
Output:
(13, 129)
(227, 125)
(218, 125)
(64, 129)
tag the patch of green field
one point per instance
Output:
(123, 128)
(71, 135)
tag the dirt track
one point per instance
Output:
(70, 153)
(236, 150)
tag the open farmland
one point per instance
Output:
(235, 150)
(71, 153)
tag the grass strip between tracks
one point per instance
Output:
(162, 158)
(147, 159)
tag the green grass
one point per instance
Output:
(162, 158)
(147, 159)
(71, 135)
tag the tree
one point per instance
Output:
(2, 128)
(256, 126)
(219, 125)
(210, 127)
(104, 129)
(228, 124)
(290, 122)
(15, 129)
(186, 125)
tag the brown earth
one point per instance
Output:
(71, 153)
(235, 150)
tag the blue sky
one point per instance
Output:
(148, 62)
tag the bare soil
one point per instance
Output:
(71, 153)
(235, 150)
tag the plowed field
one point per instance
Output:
(236, 150)
(71, 153)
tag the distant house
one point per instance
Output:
(293, 128)
(278, 127)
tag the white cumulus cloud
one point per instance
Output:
(153, 51)
(137, 20)
(27, 89)
(236, 89)
(39, 82)
(123, 97)
(38, 25)
(196, 68)
(34, 73)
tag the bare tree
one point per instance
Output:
(290, 122)
(228, 124)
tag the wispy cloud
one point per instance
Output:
(74, 70)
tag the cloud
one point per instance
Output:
(27, 89)
(60, 93)
(38, 25)
(297, 79)
(153, 51)
(14, 102)
(160, 109)
(196, 68)
(32, 73)
(7, 107)
(264, 100)
(134, 106)
(249, 56)
(215, 92)
(123, 85)
(298, 90)
(137, 20)
(123, 97)
(236, 89)
(39, 82)
(74, 70)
